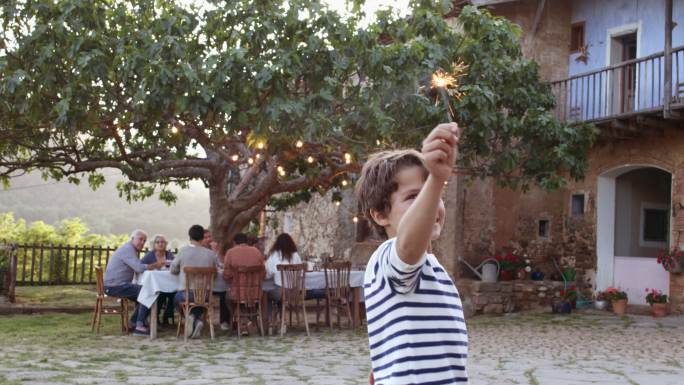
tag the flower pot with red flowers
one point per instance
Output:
(508, 266)
(618, 300)
(658, 302)
(672, 260)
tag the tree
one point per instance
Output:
(265, 101)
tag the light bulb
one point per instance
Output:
(310, 159)
(299, 144)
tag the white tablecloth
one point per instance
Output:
(316, 279)
(154, 282)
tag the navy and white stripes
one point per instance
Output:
(416, 330)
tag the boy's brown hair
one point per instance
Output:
(378, 181)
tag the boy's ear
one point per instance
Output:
(379, 217)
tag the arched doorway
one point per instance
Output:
(633, 224)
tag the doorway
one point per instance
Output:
(633, 224)
(623, 46)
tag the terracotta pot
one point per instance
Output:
(505, 275)
(659, 309)
(619, 306)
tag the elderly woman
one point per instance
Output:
(160, 254)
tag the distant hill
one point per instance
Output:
(32, 198)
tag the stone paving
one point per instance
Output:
(590, 348)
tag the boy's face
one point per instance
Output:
(409, 183)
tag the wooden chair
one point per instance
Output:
(245, 291)
(337, 289)
(292, 293)
(100, 308)
(199, 285)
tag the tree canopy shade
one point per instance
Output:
(263, 99)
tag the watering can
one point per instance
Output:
(490, 269)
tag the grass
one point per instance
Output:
(59, 296)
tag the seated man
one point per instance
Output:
(119, 276)
(240, 255)
(193, 255)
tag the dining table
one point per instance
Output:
(154, 282)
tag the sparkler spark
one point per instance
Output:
(447, 85)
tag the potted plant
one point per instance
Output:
(618, 300)
(524, 268)
(508, 264)
(570, 295)
(600, 301)
(671, 260)
(658, 302)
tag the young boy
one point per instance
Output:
(416, 330)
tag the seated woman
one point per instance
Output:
(160, 254)
(283, 252)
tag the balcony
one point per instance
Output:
(621, 94)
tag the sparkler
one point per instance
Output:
(447, 85)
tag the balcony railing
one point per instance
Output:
(631, 87)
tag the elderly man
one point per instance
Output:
(119, 276)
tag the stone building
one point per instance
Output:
(607, 66)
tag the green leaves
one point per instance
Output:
(167, 93)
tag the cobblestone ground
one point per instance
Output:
(590, 348)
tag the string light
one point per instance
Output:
(260, 145)
(281, 171)
(310, 159)
(235, 158)
(347, 158)
(338, 203)
(257, 156)
(174, 130)
(355, 219)
(345, 183)
(299, 144)
(250, 161)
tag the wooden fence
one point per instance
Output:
(42, 265)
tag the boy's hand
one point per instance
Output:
(439, 150)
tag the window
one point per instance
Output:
(543, 228)
(576, 37)
(577, 204)
(655, 225)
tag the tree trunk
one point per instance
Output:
(226, 218)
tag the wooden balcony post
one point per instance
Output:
(667, 113)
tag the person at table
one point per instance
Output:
(193, 255)
(224, 314)
(160, 253)
(118, 277)
(242, 254)
(283, 252)
(208, 239)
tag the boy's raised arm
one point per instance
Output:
(415, 227)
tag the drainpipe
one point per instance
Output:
(667, 113)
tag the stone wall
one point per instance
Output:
(508, 296)
(550, 45)
(319, 227)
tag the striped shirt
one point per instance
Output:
(416, 330)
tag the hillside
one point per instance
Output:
(32, 198)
